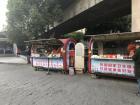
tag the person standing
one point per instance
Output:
(136, 59)
(28, 54)
(17, 52)
(131, 49)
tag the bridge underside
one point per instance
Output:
(105, 10)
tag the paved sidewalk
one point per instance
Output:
(21, 85)
(13, 60)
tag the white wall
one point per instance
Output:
(14, 48)
(135, 15)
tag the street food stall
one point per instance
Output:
(109, 54)
(55, 54)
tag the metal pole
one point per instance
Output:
(48, 72)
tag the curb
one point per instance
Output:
(7, 55)
(14, 63)
(23, 57)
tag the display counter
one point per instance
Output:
(120, 67)
(53, 54)
(48, 62)
(111, 54)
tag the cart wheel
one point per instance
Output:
(64, 72)
(35, 68)
(42, 69)
(97, 76)
(94, 76)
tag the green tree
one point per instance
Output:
(29, 19)
(75, 35)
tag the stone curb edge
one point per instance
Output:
(14, 63)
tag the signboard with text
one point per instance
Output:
(119, 67)
(54, 63)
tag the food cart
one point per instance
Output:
(55, 54)
(108, 55)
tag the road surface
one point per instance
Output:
(13, 60)
(21, 85)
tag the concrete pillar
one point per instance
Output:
(100, 48)
(15, 48)
(135, 15)
(4, 51)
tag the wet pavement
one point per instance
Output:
(21, 85)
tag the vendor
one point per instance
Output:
(59, 52)
(54, 52)
(28, 49)
(131, 49)
(136, 59)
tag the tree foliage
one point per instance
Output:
(29, 19)
(75, 35)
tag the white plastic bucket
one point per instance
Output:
(71, 71)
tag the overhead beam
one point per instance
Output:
(101, 12)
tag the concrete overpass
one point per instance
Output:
(80, 14)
